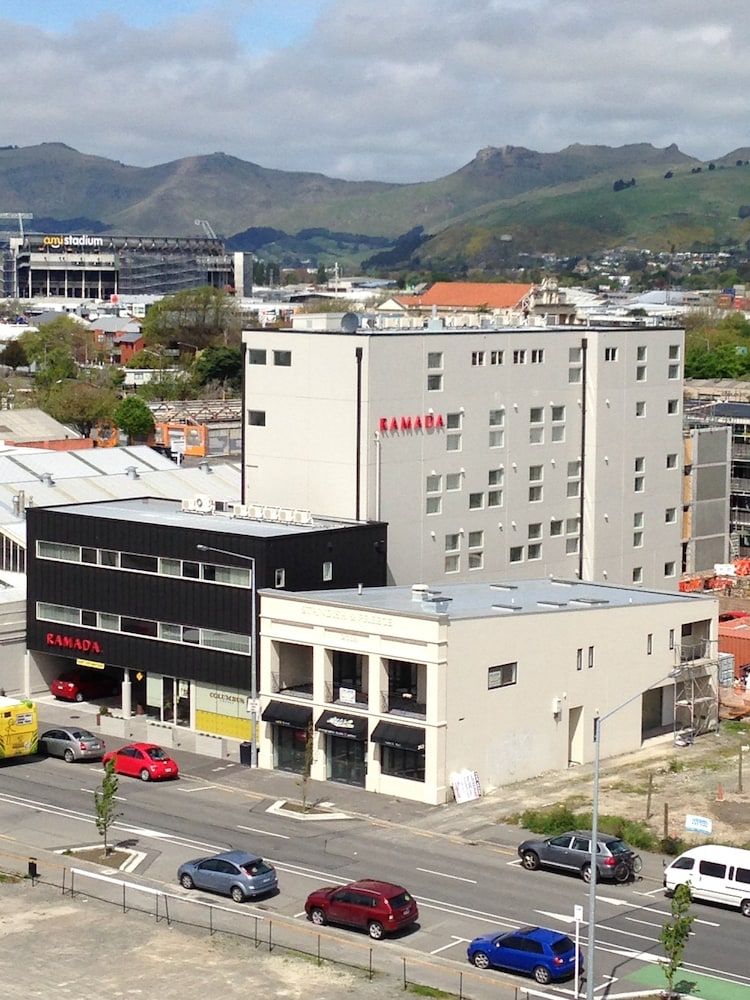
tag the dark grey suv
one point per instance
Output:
(572, 852)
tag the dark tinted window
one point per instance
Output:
(581, 844)
(512, 942)
(563, 946)
(256, 868)
(89, 555)
(617, 847)
(532, 947)
(402, 899)
(139, 626)
(156, 753)
(743, 875)
(712, 869)
(191, 569)
(89, 618)
(687, 864)
(144, 564)
(363, 899)
(560, 842)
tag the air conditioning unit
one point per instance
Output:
(286, 515)
(255, 511)
(270, 513)
(189, 505)
(240, 510)
(204, 504)
(302, 517)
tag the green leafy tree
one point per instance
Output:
(196, 318)
(307, 765)
(79, 403)
(61, 334)
(218, 364)
(134, 417)
(13, 355)
(10, 310)
(321, 277)
(675, 934)
(105, 808)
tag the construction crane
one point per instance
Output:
(207, 228)
(20, 216)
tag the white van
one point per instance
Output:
(714, 873)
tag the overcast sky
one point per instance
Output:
(399, 90)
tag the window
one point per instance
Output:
(452, 564)
(279, 578)
(476, 501)
(433, 505)
(534, 552)
(672, 406)
(434, 483)
(674, 352)
(476, 539)
(477, 358)
(400, 763)
(649, 644)
(496, 357)
(610, 354)
(640, 463)
(497, 439)
(453, 542)
(684, 863)
(672, 461)
(574, 355)
(256, 418)
(638, 519)
(58, 613)
(232, 575)
(573, 489)
(558, 433)
(502, 675)
(574, 375)
(591, 657)
(107, 557)
(673, 371)
(671, 638)
(579, 658)
(555, 528)
(170, 633)
(640, 408)
(434, 359)
(742, 875)
(638, 484)
(327, 572)
(642, 353)
(495, 477)
(434, 383)
(571, 546)
(537, 356)
(283, 359)
(536, 415)
(256, 357)
(536, 473)
(573, 526)
(519, 356)
(638, 574)
(535, 494)
(640, 373)
(535, 530)
(111, 623)
(170, 567)
(453, 442)
(637, 539)
(89, 618)
(142, 564)
(139, 626)
(558, 413)
(476, 560)
(497, 418)
(574, 469)
(516, 554)
(453, 421)
(712, 869)
(453, 481)
(494, 498)
(536, 435)
(670, 515)
(669, 568)
(225, 640)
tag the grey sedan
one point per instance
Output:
(71, 743)
(233, 873)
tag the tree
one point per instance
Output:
(105, 810)
(13, 355)
(134, 417)
(307, 764)
(218, 364)
(195, 317)
(79, 403)
(675, 934)
(321, 277)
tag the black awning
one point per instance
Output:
(284, 714)
(352, 727)
(390, 734)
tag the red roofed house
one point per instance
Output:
(471, 303)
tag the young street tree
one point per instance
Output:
(134, 417)
(105, 810)
(675, 934)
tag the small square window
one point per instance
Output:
(476, 560)
(535, 494)
(558, 413)
(638, 519)
(434, 359)
(558, 433)
(638, 574)
(674, 352)
(555, 528)
(535, 530)
(574, 355)
(256, 418)
(574, 469)
(640, 463)
(516, 553)
(610, 354)
(434, 383)
(256, 357)
(327, 572)
(573, 489)
(452, 542)
(476, 539)
(670, 515)
(494, 498)
(519, 356)
(637, 539)
(673, 406)
(434, 484)
(571, 546)
(537, 356)
(496, 357)
(536, 415)
(452, 564)
(640, 408)
(283, 359)
(640, 373)
(673, 371)
(535, 473)
(453, 421)
(574, 375)
(497, 439)
(535, 552)
(573, 526)
(502, 675)
(672, 461)
(433, 505)
(453, 442)
(477, 358)
(536, 435)
(476, 501)
(497, 418)
(453, 481)
(279, 577)
(642, 353)
(638, 484)
(669, 568)
(495, 477)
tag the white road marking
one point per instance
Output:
(564, 917)
(265, 833)
(619, 930)
(302, 914)
(649, 923)
(651, 892)
(198, 788)
(613, 901)
(452, 944)
(458, 878)
(93, 791)
(666, 913)
(516, 862)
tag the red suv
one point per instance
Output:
(381, 907)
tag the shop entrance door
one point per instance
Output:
(346, 760)
(176, 701)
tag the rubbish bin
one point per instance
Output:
(246, 753)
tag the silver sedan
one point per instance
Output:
(71, 743)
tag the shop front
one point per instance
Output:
(346, 747)
(402, 750)
(290, 729)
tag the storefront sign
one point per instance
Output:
(58, 240)
(222, 701)
(394, 425)
(73, 642)
(94, 664)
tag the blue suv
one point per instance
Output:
(545, 955)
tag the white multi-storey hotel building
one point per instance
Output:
(491, 453)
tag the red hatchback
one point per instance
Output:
(142, 760)
(77, 685)
(379, 907)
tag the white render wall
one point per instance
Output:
(304, 456)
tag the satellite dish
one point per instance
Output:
(350, 323)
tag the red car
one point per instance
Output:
(146, 761)
(379, 907)
(77, 685)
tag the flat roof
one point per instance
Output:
(464, 331)
(158, 510)
(488, 600)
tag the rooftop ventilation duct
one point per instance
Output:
(132, 472)
(46, 478)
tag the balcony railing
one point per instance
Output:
(403, 703)
(296, 689)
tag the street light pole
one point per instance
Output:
(253, 648)
(598, 720)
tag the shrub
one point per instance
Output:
(552, 821)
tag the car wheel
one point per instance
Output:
(186, 881)
(375, 930)
(69, 756)
(542, 975)
(238, 894)
(530, 860)
(79, 696)
(318, 917)
(586, 873)
(481, 960)
(745, 907)
(144, 775)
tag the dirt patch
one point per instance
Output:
(97, 855)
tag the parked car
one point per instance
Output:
(142, 760)
(71, 743)
(233, 873)
(715, 874)
(572, 852)
(379, 907)
(545, 955)
(77, 685)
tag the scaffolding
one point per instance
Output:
(696, 689)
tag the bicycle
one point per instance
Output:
(628, 869)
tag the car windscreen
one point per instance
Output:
(563, 946)
(258, 867)
(617, 847)
(156, 753)
(403, 899)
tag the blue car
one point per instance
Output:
(231, 873)
(545, 955)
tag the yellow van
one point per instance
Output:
(19, 728)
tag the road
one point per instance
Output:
(463, 890)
